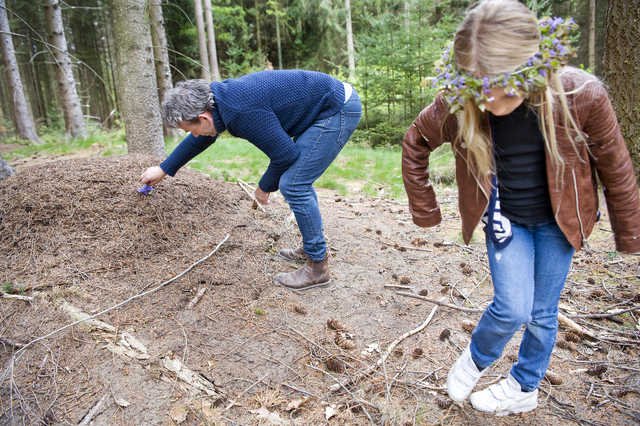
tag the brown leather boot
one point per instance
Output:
(294, 255)
(312, 274)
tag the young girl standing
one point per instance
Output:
(529, 136)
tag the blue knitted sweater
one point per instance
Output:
(267, 108)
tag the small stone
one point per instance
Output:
(299, 309)
(423, 292)
(405, 280)
(335, 364)
(417, 353)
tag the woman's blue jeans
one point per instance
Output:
(319, 145)
(528, 276)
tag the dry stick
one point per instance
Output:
(437, 302)
(15, 296)
(244, 185)
(124, 302)
(386, 354)
(94, 411)
(233, 402)
(606, 314)
(572, 325)
(197, 298)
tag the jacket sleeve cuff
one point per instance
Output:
(432, 219)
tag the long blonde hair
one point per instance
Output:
(496, 37)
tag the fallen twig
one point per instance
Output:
(605, 314)
(439, 303)
(16, 296)
(386, 354)
(196, 298)
(244, 185)
(10, 342)
(94, 411)
(572, 325)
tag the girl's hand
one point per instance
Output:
(152, 175)
(261, 196)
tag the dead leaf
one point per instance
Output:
(121, 402)
(271, 417)
(297, 403)
(330, 411)
(178, 413)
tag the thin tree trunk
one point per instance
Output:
(136, 77)
(211, 37)
(351, 53)
(202, 41)
(73, 119)
(592, 35)
(5, 169)
(161, 54)
(24, 123)
(278, 41)
(258, 24)
(621, 66)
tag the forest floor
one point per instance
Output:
(221, 344)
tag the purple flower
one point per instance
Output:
(543, 72)
(145, 189)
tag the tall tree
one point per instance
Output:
(351, 53)
(5, 169)
(211, 37)
(621, 67)
(592, 35)
(275, 9)
(160, 54)
(25, 126)
(136, 77)
(202, 41)
(72, 110)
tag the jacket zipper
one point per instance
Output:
(585, 244)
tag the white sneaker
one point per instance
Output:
(504, 398)
(462, 377)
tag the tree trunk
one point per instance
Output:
(211, 37)
(5, 169)
(621, 68)
(258, 31)
(592, 35)
(136, 77)
(72, 110)
(202, 41)
(25, 126)
(161, 54)
(278, 41)
(350, 48)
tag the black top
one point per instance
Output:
(520, 162)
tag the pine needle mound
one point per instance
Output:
(63, 221)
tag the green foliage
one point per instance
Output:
(106, 142)
(10, 288)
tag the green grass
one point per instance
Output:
(358, 168)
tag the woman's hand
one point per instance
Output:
(152, 175)
(261, 196)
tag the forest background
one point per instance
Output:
(84, 69)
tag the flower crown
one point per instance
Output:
(554, 52)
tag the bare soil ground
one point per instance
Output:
(75, 234)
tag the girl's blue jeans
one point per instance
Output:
(319, 145)
(528, 276)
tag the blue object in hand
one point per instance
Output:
(145, 189)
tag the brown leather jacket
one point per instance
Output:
(574, 196)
